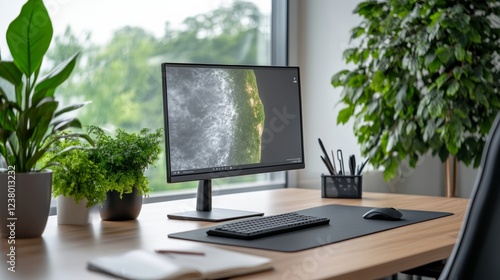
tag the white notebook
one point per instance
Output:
(216, 263)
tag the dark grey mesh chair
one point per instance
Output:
(476, 254)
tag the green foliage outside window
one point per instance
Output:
(425, 78)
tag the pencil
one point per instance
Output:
(160, 251)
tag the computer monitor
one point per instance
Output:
(229, 120)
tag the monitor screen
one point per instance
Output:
(229, 120)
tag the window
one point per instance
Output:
(122, 44)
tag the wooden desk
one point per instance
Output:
(62, 251)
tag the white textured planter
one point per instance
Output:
(71, 213)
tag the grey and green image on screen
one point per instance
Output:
(215, 117)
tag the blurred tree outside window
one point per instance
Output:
(121, 51)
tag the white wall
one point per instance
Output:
(319, 32)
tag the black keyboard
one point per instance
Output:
(268, 225)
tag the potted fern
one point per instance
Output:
(124, 158)
(29, 116)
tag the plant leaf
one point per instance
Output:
(441, 80)
(345, 114)
(39, 118)
(70, 108)
(390, 169)
(29, 36)
(435, 65)
(444, 54)
(10, 72)
(55, 78)
(430, 130)
(453, 88)
(378, 81)
(63, 124)
(339, 77)
(459, 53)
(474, 36)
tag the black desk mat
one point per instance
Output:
(346, 222)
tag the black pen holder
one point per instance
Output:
(341, 186)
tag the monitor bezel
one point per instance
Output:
(234, 172)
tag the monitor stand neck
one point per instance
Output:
(204, 211)
(204, 196)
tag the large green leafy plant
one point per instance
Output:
(30, 115)
(425, 78)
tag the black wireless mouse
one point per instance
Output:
(386, 213)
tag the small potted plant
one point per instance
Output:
(124, 157)
(78, 183)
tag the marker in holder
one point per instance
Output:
(341, 186)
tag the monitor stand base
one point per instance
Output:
(214, 215)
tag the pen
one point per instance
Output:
(362, 166)
(327, 158)
(160, 251)
(332, 172)
(340, 157)
(333, 161)
(352, 164)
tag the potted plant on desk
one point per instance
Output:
(78, 182)
(124, 158)
(29, 116)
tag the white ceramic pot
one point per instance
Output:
(71, 213)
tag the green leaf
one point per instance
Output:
(40, 118)
(10, 72)
(378, 81)
(365, 55)
(338, 79)
(345, 114)
(366, 8)
(444, 54)
(435, 17)
(411, 127)
(436, 104)
(64, 124)
(351, 55)
(357, 31)
(474, 36)
(390, 169)
(459, 53)
(430, 130)
(435, 65)
(356, 81)
(29, 36)
(480, 96)
(70, 108)
(7, 119)
(457, 72)
(453, 88)
(429, 58)
(470, 85)
(441, 80)
(55, 78)
(401, 97)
